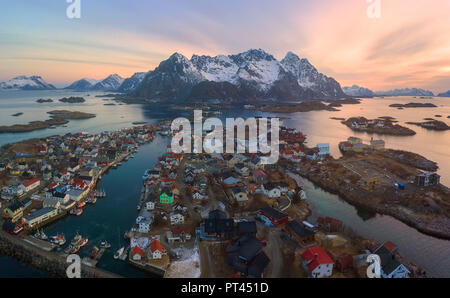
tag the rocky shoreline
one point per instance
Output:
(388, 127)
(432, 125)
(34, 125)
(432, 227)
(413, 105)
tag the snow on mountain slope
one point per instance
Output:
(26, 83)
(357, 91)
(111, 83)
(132, 83)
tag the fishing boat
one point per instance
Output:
(124, 254)
(105, 244)
(91, 200)
(71, 249)
(76, 240)
(84, 242)
(138, 207)
(58, 239)
(76, 211)
(119, 253)
(81, 204)
(94, 252)
(101, 193)
(146, 175)
(40, 235)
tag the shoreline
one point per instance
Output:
(380, 210)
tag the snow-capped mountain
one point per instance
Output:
(308, 77)
(82, 85)
(405, 92)
(357, 91)
(26, 83)
(132, 83)
(111, 83)
(249, 75)
(444, 94)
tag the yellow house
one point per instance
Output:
(14, 212)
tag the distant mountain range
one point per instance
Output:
(26, 83)
(405, 92)
(357, 91)
(111, 83)
(444, 94)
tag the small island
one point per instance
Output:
(413, 105)
(72, 115)
(34, 125)
(72, 99)
(378, 126)
(41, 100)
(58, 117)
(432, 125)
(306, 106)
(17, 114)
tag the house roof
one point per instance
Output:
(316, 256)
(258, 264)
(137, 251)
(31, 182)
(388, 261)
(273, 213)
(156, 245)
(299, 229)
(246, 227)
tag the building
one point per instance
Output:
(247, 228)
(324, 149)
(377, 144)
(317, 262)
(166, 197)
(137, 254)
(271, 190)
(156, 250)
(300, 233)
(14, 212)
(271, 217)
(246, 257)
(239, 194)
(176, 218)
(259, 176)
(30, 185)
(390, 266)
(216, 226)
(40, 216)
(427, 179)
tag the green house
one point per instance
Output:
(164, 198)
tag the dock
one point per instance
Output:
(44, 245)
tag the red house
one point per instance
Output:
(272, 216)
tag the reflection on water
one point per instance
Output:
(428, 252)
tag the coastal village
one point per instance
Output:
(219, 215)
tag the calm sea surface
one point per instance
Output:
(113, 215)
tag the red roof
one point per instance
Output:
(390, 246)
(52, 185)
(156, 245)
(31, 182)
(137, 250)
(316, 256)
(180, 229)
(259, 173)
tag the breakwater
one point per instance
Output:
(53, 263)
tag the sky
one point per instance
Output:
(408, 46)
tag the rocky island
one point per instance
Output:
(41, 100)
(432, 125)
(34, 125)
(378, 126)
(17, 114)
(72, 99)
(73, 115)
(413, 105)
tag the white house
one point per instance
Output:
(30, 185)
(271, 190)
(176, 218)
(196, 195)
(150, 205)
(317, 262)
(156, 250)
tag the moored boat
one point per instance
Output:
(58, 239)
(94, 252)
(41, 235)
(119, 253)
(105, 244)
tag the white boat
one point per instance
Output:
(105, 244)
(119, 253)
